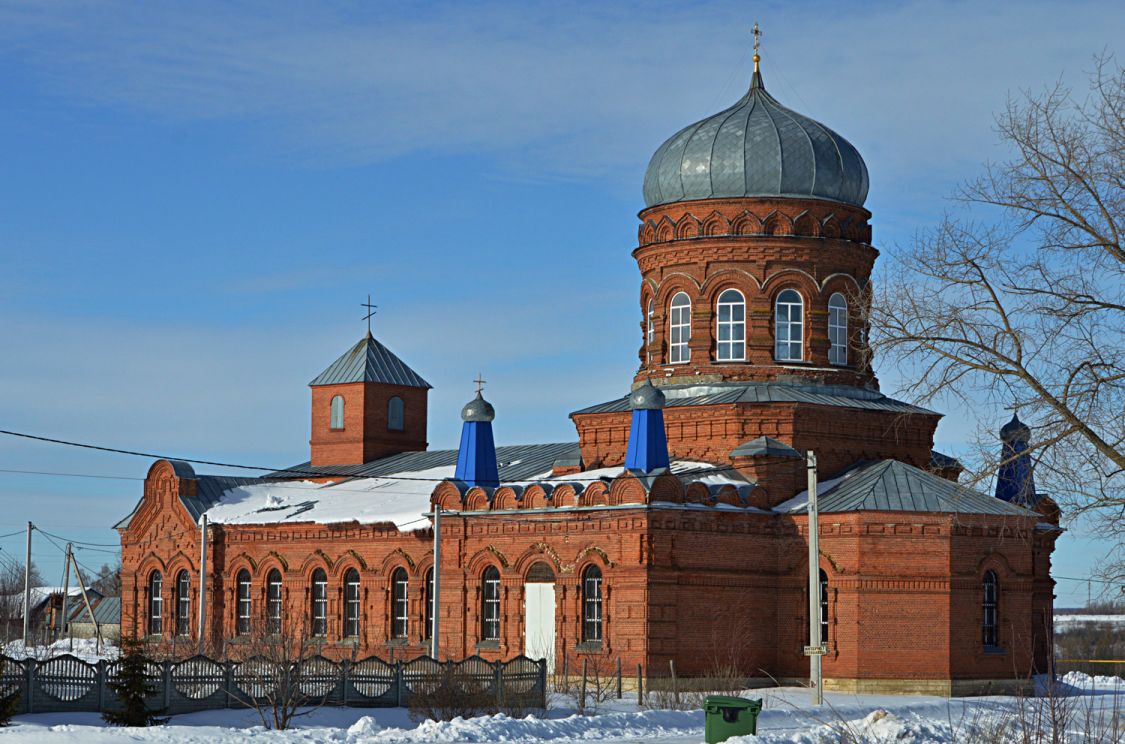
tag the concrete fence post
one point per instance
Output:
(103, 674)
(543, 683)
(400, 691)
(166, 676)
(30, 681)
(228, 684)
(498, 680)
(345, 675)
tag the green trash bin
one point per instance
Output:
(730, 716)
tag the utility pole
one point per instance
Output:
(86, 601)
(65, 594)
(202, 584)
(815, 649)
(27, 586)
(435, 637)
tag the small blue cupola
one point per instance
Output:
(476, 457)
(1015, 482)
(648, 444)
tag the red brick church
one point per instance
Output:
(674, 527)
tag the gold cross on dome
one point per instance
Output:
(370, 311)
(480, 383)
(757, 45)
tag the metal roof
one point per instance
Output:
(515, 462)
(768, 392)
(764, 446)
(757, 147)
(890, 485)
(370, 361)
(107, 611)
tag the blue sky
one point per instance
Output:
(195, 198)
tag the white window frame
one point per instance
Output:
(183, 603)
(319, 603)
(400, 604)
(730, 331)
(490, 605)
(156, 603)
(650, 331)
(838, 330)
(679, 329)
(274, 588)
(789, 333)
(352, 603)
(244, 602)
(336, 413)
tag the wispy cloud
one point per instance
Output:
(568, 89)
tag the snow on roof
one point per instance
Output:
(400, 499)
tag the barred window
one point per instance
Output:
(990, 621)
(319, 603)
(337, 413)
(351, 603)
(427, 632)
(679, 329)
(155, 603)
(789, 335)
(592, 605)
(730, 326)
(273, 602)
(838, 329)
(242, 620)
(400, 605)
(490, 605)
(183, 603)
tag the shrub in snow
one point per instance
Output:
(132, 687)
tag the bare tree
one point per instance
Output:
(281, 677)
(1021, 299)
(108, 581)
(11, 596)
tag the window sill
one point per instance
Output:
(994, 651)
(590, 647)
(488, 646)
(397, 642)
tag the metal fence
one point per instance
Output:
(66, 683)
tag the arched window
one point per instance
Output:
(838, 329)
(990, 604)
(351, 603)
(155, 604)
(788, 327)
(319, 603)
(490, 605)
(429, 611)
(183, 603)
(730, 326)
(273, 602)
(396, 414)
(592, 605)
(242, 619)
(337, 418)
(400, 604)
(679, 329)
(823, 607)
(650, 329)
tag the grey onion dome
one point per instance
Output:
(757, 147)
(646, 398)
(1015, 431)
(478, 409)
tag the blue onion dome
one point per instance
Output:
(757, 147)
(646, 398)
(478, 409)
(1015, 431)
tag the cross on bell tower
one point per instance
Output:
(370, 312)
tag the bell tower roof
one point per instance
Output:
(370, 361)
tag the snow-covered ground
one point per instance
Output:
(84, 648)
(787, 717)
(1071, 622)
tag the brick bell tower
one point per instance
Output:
(754, 251)
(368, 404)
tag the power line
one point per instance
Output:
(12, 534)
(70, 475)
(76, 542)
(313, 473)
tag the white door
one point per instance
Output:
(539, 622)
